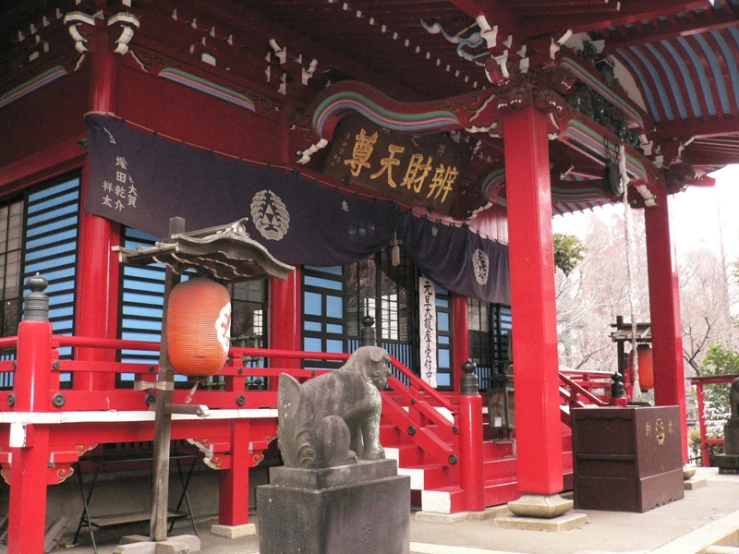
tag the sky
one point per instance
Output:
(697, 215)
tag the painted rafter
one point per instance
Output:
(630, 13)
(245, 21)
(506, 26)
(475, 112)
(708, 20)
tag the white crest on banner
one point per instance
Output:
(270, 215)
(480, 265)
(427, 306)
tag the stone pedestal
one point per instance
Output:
(233, 531)
(352, 509)
(541, 512)
(728, 462)
(138, 544)
(541, 506)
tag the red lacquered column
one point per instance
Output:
(664, 309)
(536, 374)
(460, 337)
(97, 266)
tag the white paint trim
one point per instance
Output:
(436, 501)
(446, 413)
(418, 477)
(52, 418)
(426, 548)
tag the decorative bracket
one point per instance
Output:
(127, 23)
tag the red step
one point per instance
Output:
(409, 455)
(447, 500)
(500, 468)
(501, 491)
(393, 437)
(492, 449)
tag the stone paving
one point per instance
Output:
(704, 516)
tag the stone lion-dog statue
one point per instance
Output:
(334, 419)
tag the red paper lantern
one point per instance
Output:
(198, 327)
(646, 366)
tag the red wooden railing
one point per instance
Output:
(699, 383)
(576, 390)
(412, 408)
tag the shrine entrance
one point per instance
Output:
(335, 299)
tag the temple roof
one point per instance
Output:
(676, 60)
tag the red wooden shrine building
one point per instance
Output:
(490, 116)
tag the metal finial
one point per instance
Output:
(469, 379)
(36, 303)
(367, 334)
(617, 386)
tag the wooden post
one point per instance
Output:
(285, 316)
(233, 498)
(98, 265)
(538, 428)
(29, 466)
(460, 338)
(705, 456)
(471, 468)
(163, 419)
(664, 309)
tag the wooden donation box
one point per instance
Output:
(626, 459)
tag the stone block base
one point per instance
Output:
(233, 531)
(487, 513)
(138, 544)
(539, 505)
(352, 509)
(694, 483)
(727, 463)
(561, 523)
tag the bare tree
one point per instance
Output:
(590, 298)
(705, 299)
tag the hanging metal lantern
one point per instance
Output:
(646, 366)
(199, 327)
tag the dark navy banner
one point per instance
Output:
(141, 180)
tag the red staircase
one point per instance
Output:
(419, 429)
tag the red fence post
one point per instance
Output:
(234, 482)
(705, 457)
(470, 440)
(460, 336)
(30, 443)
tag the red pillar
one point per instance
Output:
(29, 465)
(705, 456)
(460, 337)
(536, 375)
(234, 483)
(471, 470)
(98, 266)
(285, 314)
(664, 309)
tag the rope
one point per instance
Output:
(636, 391)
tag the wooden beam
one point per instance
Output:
(700, 23)
(244, 20)
(697, 128)
(496, 12)
(710, 158)
(633, 12)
